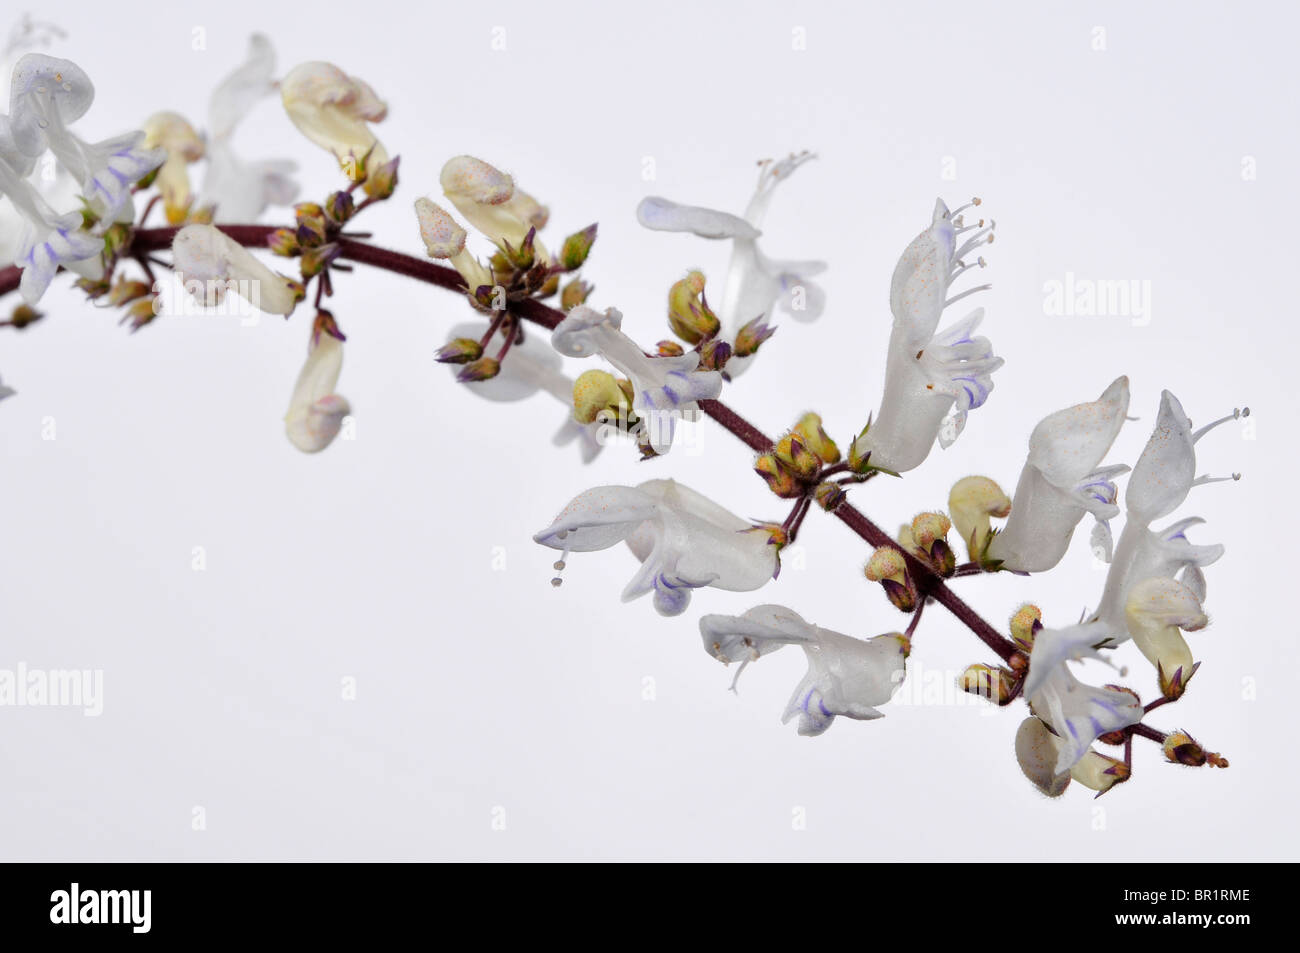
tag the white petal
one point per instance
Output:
(1164, 473)
(663, 215)
(1068, 444)
(598, 519)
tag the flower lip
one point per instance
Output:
(663, 215)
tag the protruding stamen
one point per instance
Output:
(983, 237)
(1236, 414)
(1206, 478)
(971, 204)
(971, 291)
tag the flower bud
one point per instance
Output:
(141, 312)
(995, 684)
(283, 242)
(1100, 772)
(459, 351)
(829, 495)
(597, 392)
(796, 457)
(575, 293)
(482, 369)
(1156, 610)
(1026, 622)
(1181, 748)
(888, 567)
(779, 480)
(315, 260)
(577, 247)
(714, 355)
(670, 349)
(751, 336)
(340, 207)
(814, 437)
(381, 183)
(313, 229)
(688, 313)
(972, 501)
(23, 315)
(124, 292)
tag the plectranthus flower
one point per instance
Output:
(932, 380)
(683, 540)
(236, 189)
(172, 133)
(47, 94)
(1078, 713)
(531, 366)
(210, 264)
(45, 240)
(756, 284)
(1061, 482)
(664, 387)
(316, 413)
(1038, 750)
(1160, 482)
(335, 110)
(488, 199)
(445, 240)
(1158, 611)
(846, 676)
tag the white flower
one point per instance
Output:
(240, 191)
(45, 239)
(931, 379)
(335, 110)
(846, 676)
(316, 413)
(1157, 609)
(531, 366)
(211, 264)
(665, 387)
(48, 94)
(755, 283)
(683, 540)
(173, 134)
(1038, 750)
(1061, 482)
(489, 200)
(1079, 713)
(1160, 482)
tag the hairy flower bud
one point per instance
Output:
(597, 392)
(482, 369)
(576, 292)
(577, 247)
(888, 567)
(814, 437)
(998, 685)
(688, 313)
(829, 496)
(779, 479)
(1181, 748)
(1025, 624)
(751, 336)
(459, 351)
(795, 456)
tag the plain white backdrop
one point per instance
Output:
(496, 717)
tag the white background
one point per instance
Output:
(484, 693)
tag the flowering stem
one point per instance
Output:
(152, 239)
